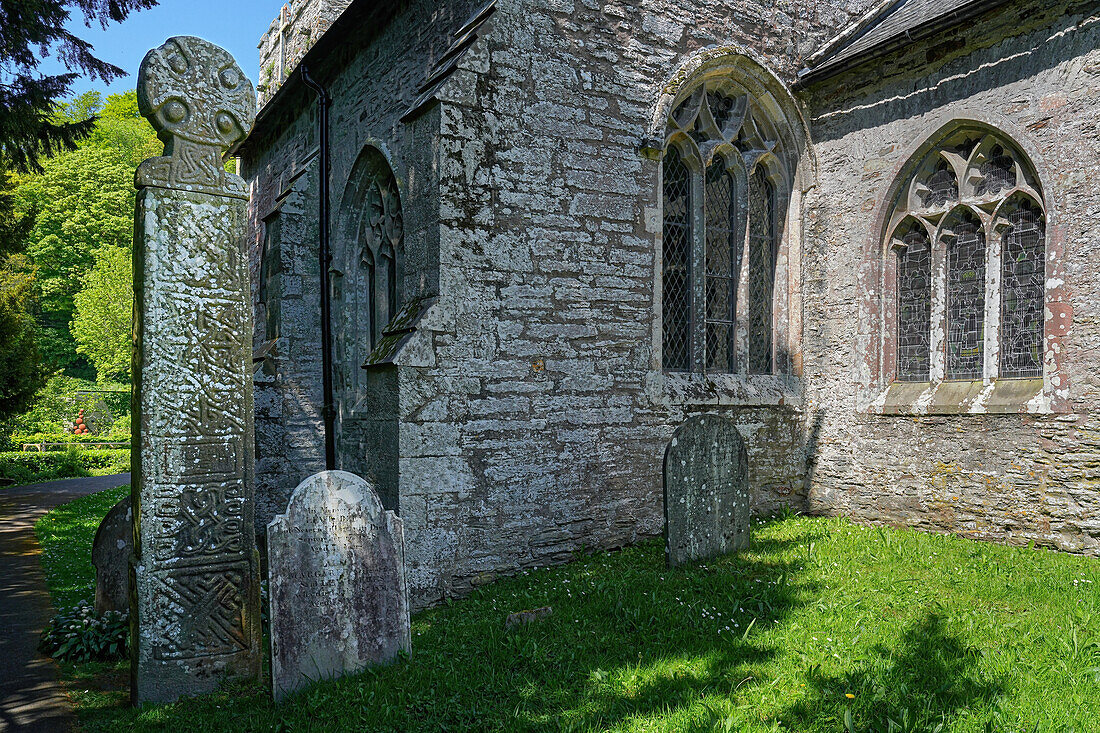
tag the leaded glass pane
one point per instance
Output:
(998, 173)
(761, 271)
(1022, 290)
(966, 302)
(914, 308)
(676, 269)
(721, 108)
(942, 186)
(720, 268)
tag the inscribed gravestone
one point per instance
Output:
(706, 491)
(336, 577)
(195, 590)
(111, 549)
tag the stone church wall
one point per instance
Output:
(532, 412)
(540, 426)
(283, 171)
(1014, 478)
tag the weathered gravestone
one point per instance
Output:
(706, 491)
(195, 593)
(111, 550)
(336, 577)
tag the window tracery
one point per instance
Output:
(366, 272)
(969, 224)
(725, 183)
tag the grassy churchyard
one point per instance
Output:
(822, 626)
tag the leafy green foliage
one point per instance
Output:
(102, 323)
(81, 635)
(29, 31)
(14, 225)
(83, 207)
(821, 626)
(30, 467)
(21, 371)
(85, 202)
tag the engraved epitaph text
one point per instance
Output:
(195, 591)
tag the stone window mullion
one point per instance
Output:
(993, 262)
(937, 367)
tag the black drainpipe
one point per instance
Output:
(328, 411)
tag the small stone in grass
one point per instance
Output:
(526, 617)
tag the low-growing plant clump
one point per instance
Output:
(79, 634)
(28, 467)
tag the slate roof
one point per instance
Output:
(887, 26)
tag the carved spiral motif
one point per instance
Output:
(192, 90)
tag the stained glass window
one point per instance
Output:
(1022, 288)
(966, 302)
(721, 267)
(997, 174)
(942, 186)
(914, 278)
(761, 271)
(676, 271)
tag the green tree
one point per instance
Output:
(29, 31)
(102, 322)
(84, 201)
(21, 370)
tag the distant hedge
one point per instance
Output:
(31, 467)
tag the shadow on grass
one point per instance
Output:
(927, 681)
(651, 641)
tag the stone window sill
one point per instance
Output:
(977, 397)
(750, 390)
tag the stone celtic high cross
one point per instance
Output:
(195, 591)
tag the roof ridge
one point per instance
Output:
(854, 28)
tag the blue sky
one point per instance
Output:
(236, 25)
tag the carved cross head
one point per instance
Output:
(200, 103)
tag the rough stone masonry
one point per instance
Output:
(194, 604)
(525, 412)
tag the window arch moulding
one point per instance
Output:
(971, 303)
(732, 148)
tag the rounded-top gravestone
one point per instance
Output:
(114, 541)
(707, 498)
(336, 574)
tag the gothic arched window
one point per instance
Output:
(969, 223)
(368, 256)
(722, 207)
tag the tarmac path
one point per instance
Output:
(31, 698)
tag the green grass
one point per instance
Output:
(66, 536)
(922, 630)
(32, 467)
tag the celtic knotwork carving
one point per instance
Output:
(203, 612)
(200, 103)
